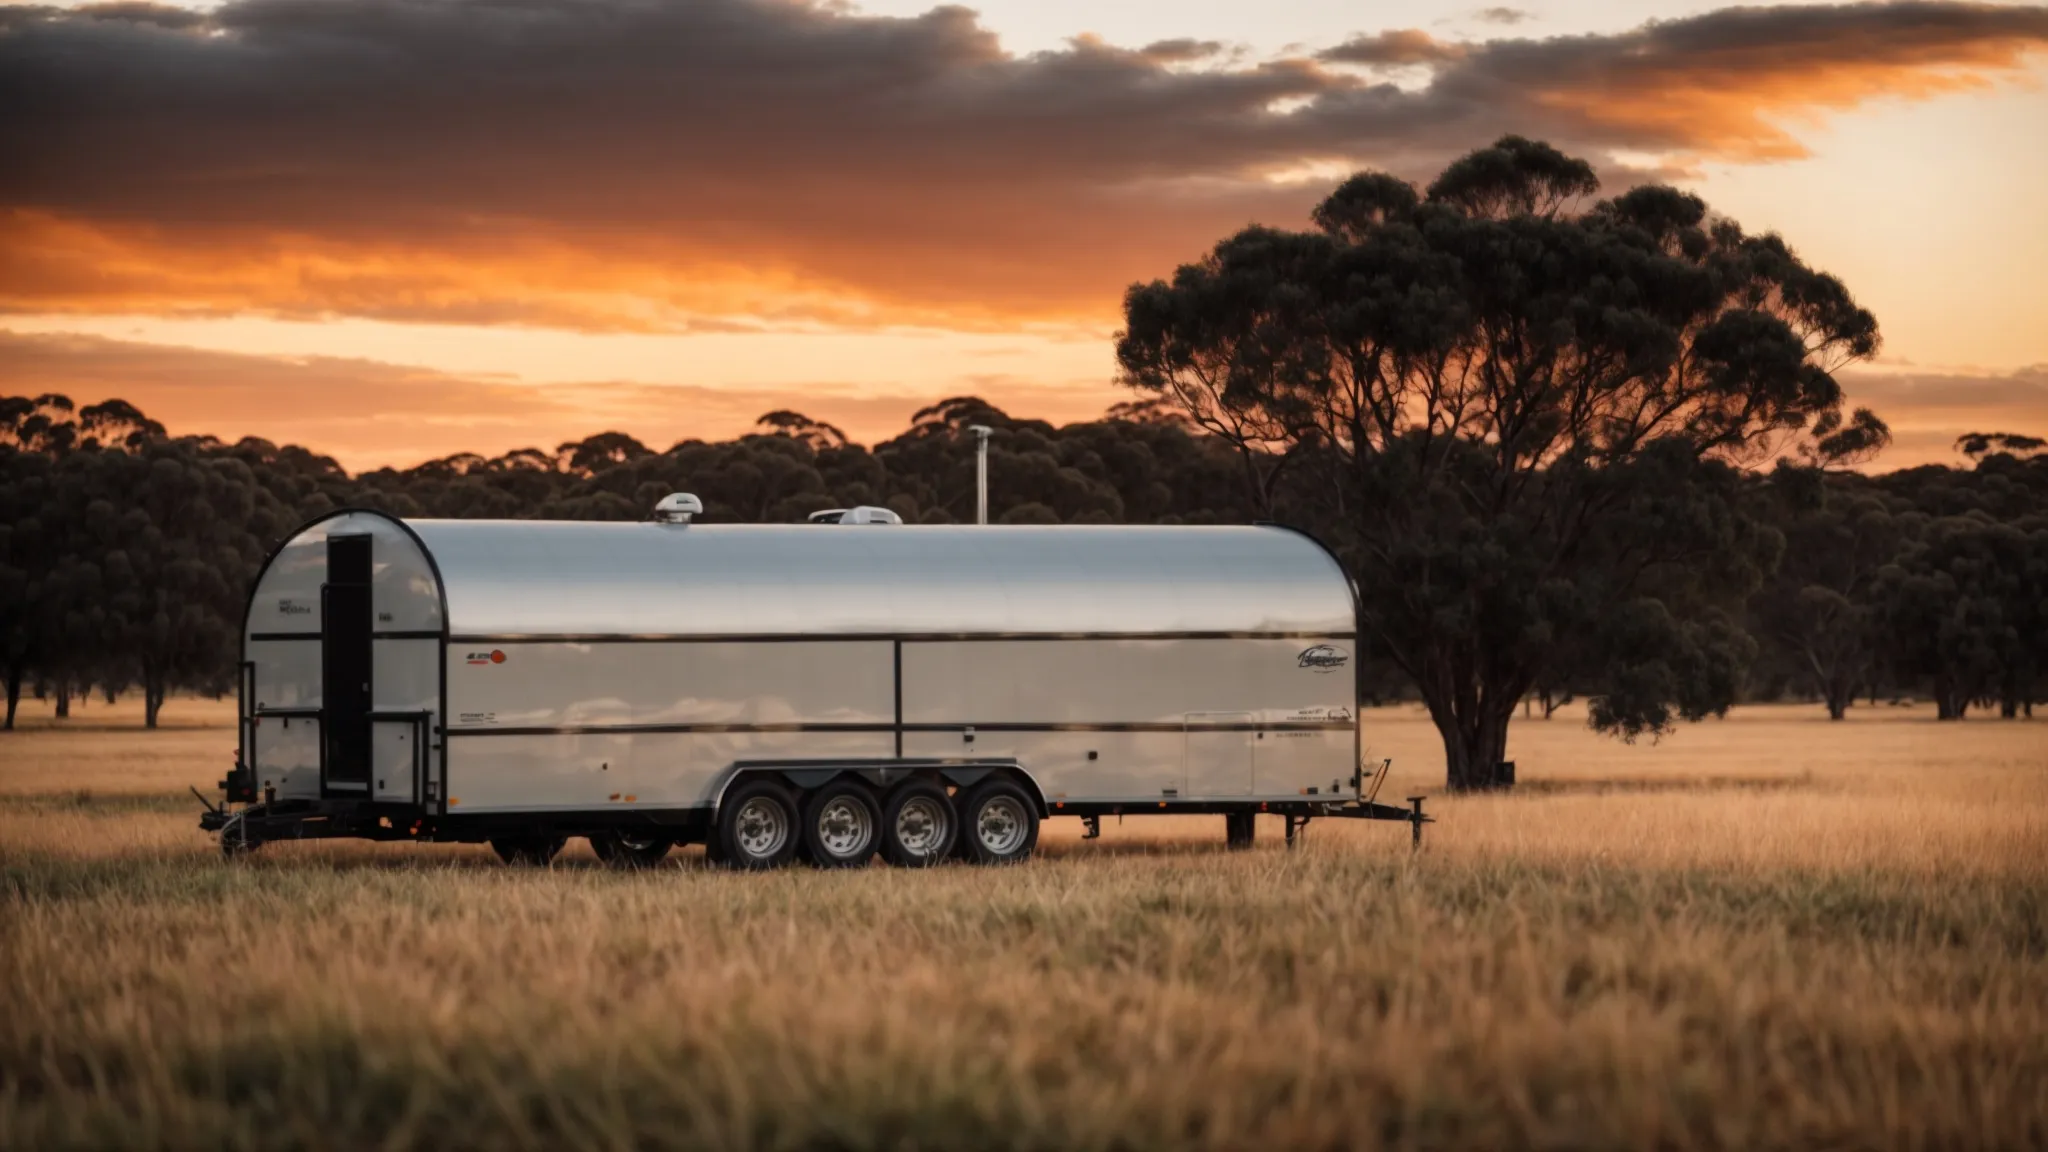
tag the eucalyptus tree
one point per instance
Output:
(1822, 606)
(1520, 416)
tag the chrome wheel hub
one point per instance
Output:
(844, 828)
(759, 827)
(1000, 825)
(921, 826)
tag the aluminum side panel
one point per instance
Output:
(623, 771)
(1122, 681)
(288, 757)
(1220, 754)
(1284, 763)
(405, 675)
(1138, 767)
(394, 761)
(1133, 766)
(287, 673)
(548, 685)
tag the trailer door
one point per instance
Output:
(1219, 754)
(345, 666)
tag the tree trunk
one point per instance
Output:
(13, 692)
(63, 700)
(152, 695)
(1950, 702)
(1474, 747)
(1840, 695)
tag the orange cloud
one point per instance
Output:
(615, 165)
(369, 414)
(1927, 411)
(1729, 97)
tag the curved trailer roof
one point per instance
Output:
(511, 578)
(563, 578)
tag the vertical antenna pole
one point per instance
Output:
(981, 434)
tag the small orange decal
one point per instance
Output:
(497, 655)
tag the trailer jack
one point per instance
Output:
(1091, 827)
(1296, 828)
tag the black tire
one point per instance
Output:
(842, 826)
(1239, 830)
(919, 825)
(631, 850)
(998, 824)
(757, 826)
(533, 851)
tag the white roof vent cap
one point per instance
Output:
(869, 514)
(677, 508)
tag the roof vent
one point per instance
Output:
(677, 508)
(869, 514)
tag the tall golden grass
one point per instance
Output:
(1769, 931)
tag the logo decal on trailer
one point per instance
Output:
(494, 656)
(1323, 658)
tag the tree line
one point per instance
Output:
(126, 554)
(1567, 447)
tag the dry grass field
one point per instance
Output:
(1767, 931)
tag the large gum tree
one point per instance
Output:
(1521, 416)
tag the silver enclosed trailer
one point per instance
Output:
(772, 691)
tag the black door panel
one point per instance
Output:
(345, 623)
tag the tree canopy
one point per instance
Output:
(1520, 416)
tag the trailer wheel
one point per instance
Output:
(536, 851)
(235, 843)
(628, 850)
(918, 825)
(757, 826)
(999, 824)
(842, 827)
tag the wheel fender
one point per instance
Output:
(967, 776)
(807, 779)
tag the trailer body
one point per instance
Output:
(466, 679)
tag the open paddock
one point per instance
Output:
(1766, 931)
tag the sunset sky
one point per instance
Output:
(394, 229)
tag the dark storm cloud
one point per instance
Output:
(897, 159)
